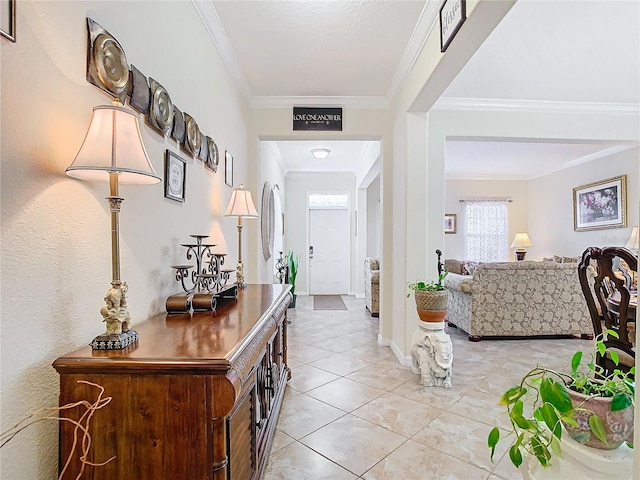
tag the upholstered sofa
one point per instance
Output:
(372, 285)
(518, 299)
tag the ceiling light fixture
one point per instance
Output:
(320, 153)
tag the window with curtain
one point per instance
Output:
(486, 231)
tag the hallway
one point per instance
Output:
(351, 411)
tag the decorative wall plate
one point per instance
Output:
(192, 139)
(139, 91)
(267, 219)
(204, 149)
(161, 109)
(107, 66)
(177, 133)
(214, 159)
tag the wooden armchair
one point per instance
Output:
(617, 298)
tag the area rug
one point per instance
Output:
(328, 302)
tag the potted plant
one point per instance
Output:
(292, 272)
(595, 409)
(431, 298)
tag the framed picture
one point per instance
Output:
(175, 176)
(453, 13)
(228, 169)
(8, 19)
(600, 204)
(450, 223)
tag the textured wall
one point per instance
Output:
(55, 230)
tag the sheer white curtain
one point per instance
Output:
(486, 231)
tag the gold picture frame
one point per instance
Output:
(600, 205)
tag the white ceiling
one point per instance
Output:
(349, 53)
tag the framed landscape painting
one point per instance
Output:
(600, 204)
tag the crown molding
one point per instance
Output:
(425, 25)
(349, 102)
(213, 25)
(535, 106)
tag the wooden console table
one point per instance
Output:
(196, 398)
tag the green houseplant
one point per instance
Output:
(431, 298)
(595, 409)
(292, 272)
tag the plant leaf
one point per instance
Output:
(516, 415)
(575, 361)
(620, 401)
(615, 358)
(542, 452)
(556, 394)
(492, 440)
(515, 455)
(613, 333)
(511, 395)
(601, 348)
(551, 419)
(597, 427)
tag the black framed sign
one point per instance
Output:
(453, 13)
(175, 176)
(314, 118)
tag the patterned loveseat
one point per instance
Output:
(518, 299)
(372, 285)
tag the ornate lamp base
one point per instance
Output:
(240, 275)
(520, 255)
(114, 341)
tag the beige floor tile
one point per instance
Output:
(398, 414)
(297, 462)
(307, 353)
(341, 364)
(345, 394)
(482, 407)
(353, 443)
(384, 377)
(461, 438)
(413, 461)
(371, 353)
(438, 397)
(280, 440)
(307, 377)
(302, 415)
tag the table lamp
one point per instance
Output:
(240, 205)
(520, 243)
(113, 150)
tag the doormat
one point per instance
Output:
(328, 302)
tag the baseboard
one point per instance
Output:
(404, 361)
(359, 295)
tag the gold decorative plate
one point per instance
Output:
(161, 111)
(192, 139)
(214, 158)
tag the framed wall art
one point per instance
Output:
(228, 169)
(600, 205)
(450, 223)
(175, 176)
(8, 19)
(453, 13)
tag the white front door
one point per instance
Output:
(329, 246)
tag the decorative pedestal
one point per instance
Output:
(114, 341)
(579, 461)
(432, 354)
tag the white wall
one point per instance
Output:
(55, 230)
(551, 206)
(271, 170)
(374, 228)
(297, 185)
(469, 189)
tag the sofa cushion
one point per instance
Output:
(453, 266)
(469, 268)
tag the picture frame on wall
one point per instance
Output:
(175, 176)
(228, 169)
(450, 223)
(600, 205)
(453, 13)
(8, 19)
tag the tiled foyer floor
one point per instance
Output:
(352, 411)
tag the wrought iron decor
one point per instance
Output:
(108, 69)
(204, 283)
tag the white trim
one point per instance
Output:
(404, 361)
(216, 31)
(425, 25)
(504, 105)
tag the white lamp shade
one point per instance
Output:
(241, 204)
(113, 144)
(633, 242)
(521, 240)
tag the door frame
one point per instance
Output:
(349, 209)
